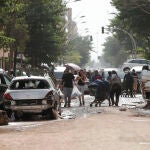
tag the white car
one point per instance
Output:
(135, 62)
(31, 95)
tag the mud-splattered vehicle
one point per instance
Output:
(31, 95)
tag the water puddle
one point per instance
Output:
(66, 114)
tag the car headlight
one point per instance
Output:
(44, 102)
(13, 103)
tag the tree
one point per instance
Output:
(45, 25)
(113, 52)
(12, 23)
(134, 17)
(80, 47)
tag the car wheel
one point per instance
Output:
(18, 116)
(50, 114)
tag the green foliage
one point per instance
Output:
(113, 52)
(5, 41)
(36, 27)
(134, 17)
(13, 22)
(45, 24)
(82, 47)
(73, 57)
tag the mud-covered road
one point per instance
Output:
(75, 111)
(83, 128)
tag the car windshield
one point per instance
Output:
(29, 84)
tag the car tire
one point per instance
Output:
(49, 114)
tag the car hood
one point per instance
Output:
(28, 94)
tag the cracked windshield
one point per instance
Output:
(75, 74)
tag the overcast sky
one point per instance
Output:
(97, 14)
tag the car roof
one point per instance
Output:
(137, 68)
(28, 77)
(2, 70)
(110, 69)
(136, 59)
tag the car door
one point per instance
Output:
(4, 82)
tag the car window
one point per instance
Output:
(131, 61)
(143, 62)
(7, 80)
(137, 61)
(30, 84)
(51, 82)
(2, 81)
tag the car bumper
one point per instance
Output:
(29, 109)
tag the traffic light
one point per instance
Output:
(102, 30)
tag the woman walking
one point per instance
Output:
(81, 83)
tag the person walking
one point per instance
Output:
(109, 76)
(135, 82)
(67, 83)
(80, 84)
(115, 88)
(128, 81)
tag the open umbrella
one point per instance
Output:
(73, 66)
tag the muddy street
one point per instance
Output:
(83, 127)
